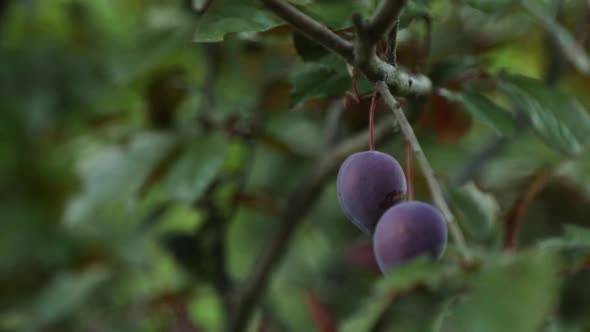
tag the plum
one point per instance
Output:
(408, 230)
(369, 183)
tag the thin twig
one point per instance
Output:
(391, 51)
(435, 188)
(521, 206)
(311, 28)
(425, 51)
(297, 204)
(362, 55)
(384, 19)
(372, 122)
(376, 69)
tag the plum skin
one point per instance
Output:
(369, 183)
(408, 230)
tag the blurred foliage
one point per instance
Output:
(148, 147)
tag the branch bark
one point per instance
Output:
(384, 19)
(297, 204)
(311, 28)
(362, 55)
(435, 188)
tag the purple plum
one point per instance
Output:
(369, 183)
(408, 230)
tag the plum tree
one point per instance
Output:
(408, 230)
(369, 183)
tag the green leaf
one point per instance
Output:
(301, 2)
(318, 80)
(336, 14)
(557, 118)
(568, 44)
(491, 6)
(421, 270)
(414, 9)
(478, 211)
(227, 16)
(514, 294)
(64, 295)
(112, 176)
(483, 110)
(573, 237)
(196, 168)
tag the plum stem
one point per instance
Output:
(521, 205)
(371, 122)
(301, 200)
(409, 171)
(435, 188)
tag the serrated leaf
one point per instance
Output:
(557, 118)
(568, 44)
(573, 237)
(483, 109)
(196, 168)
(317, 80)
(227, 16)
(513, 294)
(478, 210)
(421, 270)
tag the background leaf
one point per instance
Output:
(227, 16)
(559, 119)
(568, 44)
(478, 211)
(517, 290)
(317, 80)
(573, 237)
(196, 168)
(484, 110)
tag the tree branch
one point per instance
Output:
(384, 19)
(391, 51)
(296, 205)
(311, 28)
(363, 54)
(435, 188)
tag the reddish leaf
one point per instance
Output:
(447, 119)
(321, 316)
(361, 255)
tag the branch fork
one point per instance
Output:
(362, 53)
